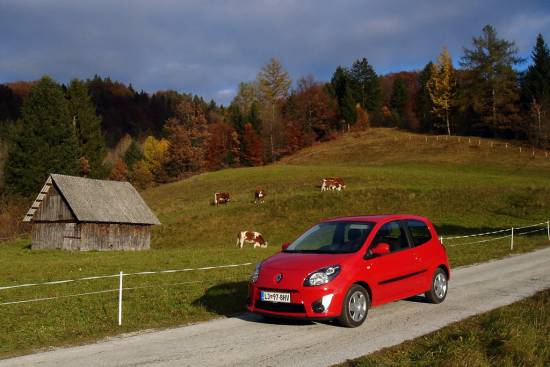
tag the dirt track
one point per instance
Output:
(248, 341)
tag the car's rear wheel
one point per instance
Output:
(355, 308)
(438, 290)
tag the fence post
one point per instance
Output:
(120, 301)
(512, 240)
(441, 239)
(548, 229)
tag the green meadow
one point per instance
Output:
(464, 188)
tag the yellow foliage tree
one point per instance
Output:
(442, 87)
(155, 154)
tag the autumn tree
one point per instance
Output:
(186, 133)
(47, 142)
(491, 81)
(252, 147)
(365, 85)
(442, 88)
(88, 127)
(119, 171)
(222, 146)
(536, 92)
(274, 84)
(155, 154)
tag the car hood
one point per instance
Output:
(303, 262)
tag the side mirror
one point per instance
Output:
(285, 245)
(381, 249)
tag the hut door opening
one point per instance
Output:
(71, 237)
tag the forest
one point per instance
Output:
(102, 128)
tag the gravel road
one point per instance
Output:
(248, 341)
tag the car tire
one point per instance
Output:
(438, 288)
(355, 307)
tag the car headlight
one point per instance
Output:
(322, 276)
(255, 274)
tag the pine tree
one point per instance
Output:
(424, 104)
(442, 88)
(133, 154)
(536, 93)
(365, 85)
(398, 97)
(340, 86)
(491, 81)
(47, 142)
(88, 127)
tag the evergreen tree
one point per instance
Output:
(254, 116)
(47, 143)
(340, 86)
(133, 154)
(424, 104)
(88, 128)
(399, 97)
(536, 93)
(491, 86)
(365, 85)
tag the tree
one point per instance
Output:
(141, 175)
(247, 94)
(186, 133)
(88, 127)
(119, 171)
(399, 96)
(222, 146)
(47, 142)
(536, 92)
(252, 147)
(365, 85)
(441, 87)
(491, 82)
(424, 103)
(133, 154)
(274, 83)
(341, 89)
(155, 154)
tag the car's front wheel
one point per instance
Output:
(355, 308)
(438, 290)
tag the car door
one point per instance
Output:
(421, 240)
(389, 274)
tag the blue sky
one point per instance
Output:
(207, 47)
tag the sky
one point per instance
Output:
(207, 47)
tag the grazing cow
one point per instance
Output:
(333, 183)
(254, 238)
(221, 198)
(259, 196)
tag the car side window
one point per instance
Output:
(419, 231)
(394, 235)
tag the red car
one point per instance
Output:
(340, 267)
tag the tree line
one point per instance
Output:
(169, 135)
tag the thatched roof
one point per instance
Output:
(99, 200)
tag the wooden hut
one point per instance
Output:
(75, 213)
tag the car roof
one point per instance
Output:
(375, 218)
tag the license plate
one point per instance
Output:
(275, 297)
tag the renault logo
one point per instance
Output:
(279, 277)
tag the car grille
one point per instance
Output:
(280, 307)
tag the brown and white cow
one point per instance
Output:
(259, 196)
(254, 238)
(333, 183)
(221, 198)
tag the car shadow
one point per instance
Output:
(417, 299)
(227, 299)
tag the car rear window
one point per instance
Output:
(419, 231)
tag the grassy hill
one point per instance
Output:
(463, 187)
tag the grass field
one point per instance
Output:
(462, 188)
(514, 335)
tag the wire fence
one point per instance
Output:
(449, 241)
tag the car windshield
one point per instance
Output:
(332, 238)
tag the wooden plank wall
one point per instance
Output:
(91, 236)
(53, 208)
